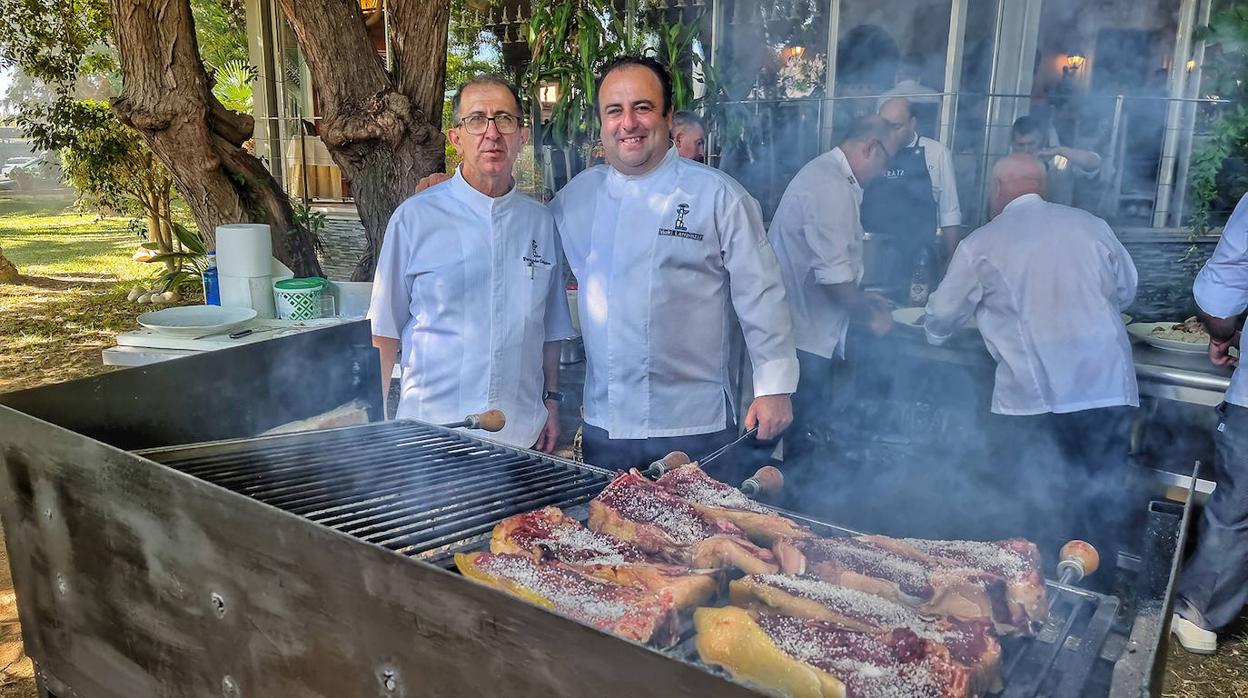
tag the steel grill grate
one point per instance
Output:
(429, 492)
(413, 488)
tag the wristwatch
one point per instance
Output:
(552, 395)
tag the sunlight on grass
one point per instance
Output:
(44, 239)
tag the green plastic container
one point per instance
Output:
(299, 299)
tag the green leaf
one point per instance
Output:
(190, 240)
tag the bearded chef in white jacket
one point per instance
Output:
(663, 248)
(469, 283)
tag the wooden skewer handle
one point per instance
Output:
(1077, 559)
(766, 481)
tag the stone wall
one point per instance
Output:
(342, 243)
(1165, 290)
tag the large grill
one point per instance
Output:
(317, 563)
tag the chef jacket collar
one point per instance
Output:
(843, 163)
(479, 202)
(1022, 201)
(618, 182)
(914, 142)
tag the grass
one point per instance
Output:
(72, 304)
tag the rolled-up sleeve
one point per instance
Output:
(830, 227)
(389, 307)
(945, 189)
(955, 300)
(758, 298)
(1221, 287)
(558, 319)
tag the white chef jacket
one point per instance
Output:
(817, 235)
(658, 257)
(944, 181)
(1221, 287)
(1046, 284)
(472, 286)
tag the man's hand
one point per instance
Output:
(1220, 352)
(879, 314)
(549, 436)
(435, 178)
(771, 413)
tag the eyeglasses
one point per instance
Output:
(476, 124)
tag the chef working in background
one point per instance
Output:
(818, 239)
(1065, 166)
(917, 194)
(469, 283)
(1046, 284)
(663, 249)
(1213, 586)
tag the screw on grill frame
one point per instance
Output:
(229, 688)
(218, 604)
(389, 680)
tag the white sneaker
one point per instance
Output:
(1192, 637)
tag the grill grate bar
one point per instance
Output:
(451, 512)
(387, 513)
(347, 500)
(338, 480)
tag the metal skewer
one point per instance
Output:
(722, 449)
(1078, 560)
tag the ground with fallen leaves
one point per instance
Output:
(71, 305)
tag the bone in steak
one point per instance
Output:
(879, 566)
(970, 643)
(626, 611)
(548, 534)
(804, 658)
(636, 510)
(722, 501)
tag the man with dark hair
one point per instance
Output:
(689, 135)
(916, 196)
(664, 249)
(469, 284)
(817, 236)
(1032, 136)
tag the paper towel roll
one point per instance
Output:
(254, 292)
(244, 250)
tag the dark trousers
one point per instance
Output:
(1060, 476)
(621, 454)
(1213, 587)
(808, 440)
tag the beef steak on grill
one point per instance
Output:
(725, 502)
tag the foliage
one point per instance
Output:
(233, 85)
(1224, 76)
(220, 32)
(571, 40)
(310, 220)
(54, 41)
(470, 51)
(105, 162)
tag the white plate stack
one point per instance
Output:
(244, 268)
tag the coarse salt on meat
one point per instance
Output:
(989, 557)
(856, 604)
(693, 484)
(861, 556)
(581, 545)
(570, 593)
(870, 666)
(645, 503)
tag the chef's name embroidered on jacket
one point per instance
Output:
(678, 229)
(534, 257)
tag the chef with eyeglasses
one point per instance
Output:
(469, 284)
(664, 250)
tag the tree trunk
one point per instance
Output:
(8, 273)
(167, 98)
(383, 129)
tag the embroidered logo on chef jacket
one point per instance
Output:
(678, 229)
(534, 258)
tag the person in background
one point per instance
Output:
(664, 248)
(909, 85)
(917, 194)
(689, 135)
(1046, 284)
(1213, 586)
(469, 284)
(1032, 136)
(817, 236)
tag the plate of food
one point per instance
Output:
(913, 317)
(195, 320)
(1188, 336)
